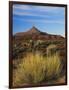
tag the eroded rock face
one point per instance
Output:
(36, 34)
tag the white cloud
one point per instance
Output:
(46, 21)
(43, 21)
(50, 9)
(21, 7)
(18, 10)
(29, 14)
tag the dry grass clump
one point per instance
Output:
(34, 68)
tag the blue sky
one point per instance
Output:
(45, 18)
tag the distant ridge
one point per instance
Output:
(36, 34)
(33, 30)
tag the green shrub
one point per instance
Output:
(35, 68)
